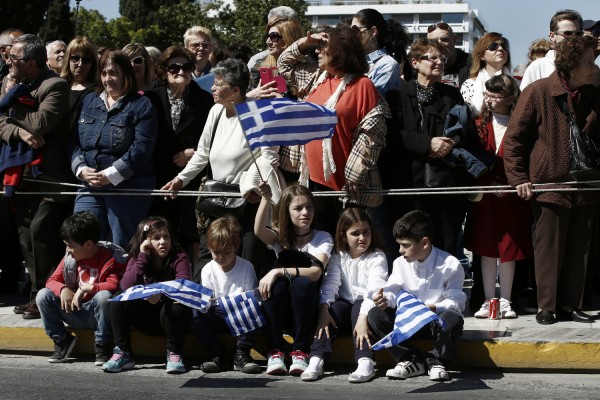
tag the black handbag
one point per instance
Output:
(211, 207)
(584, 157)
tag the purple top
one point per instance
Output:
(140, 272)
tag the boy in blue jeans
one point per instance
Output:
(436, 279)
(77, 292)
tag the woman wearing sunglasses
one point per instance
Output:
(80, 70)
(182, 108)
(142, 64)
(491, 56)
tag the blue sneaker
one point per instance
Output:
(120, 361)
(275, 363)
(174, 363)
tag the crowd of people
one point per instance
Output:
(91, 133)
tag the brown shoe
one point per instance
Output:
(32, 312)
(21, 308)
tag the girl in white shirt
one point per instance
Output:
(354, 274)
(292, 285)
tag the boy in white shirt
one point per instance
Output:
(226, 274)
(435, 278)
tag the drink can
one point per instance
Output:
(494, 308)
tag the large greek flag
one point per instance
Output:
(180, 290)
(242, 312)
(411, 315)
(284, 122)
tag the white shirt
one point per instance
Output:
(241, 278)
(499, 124)
(321, 243)
(353, 279)
(437, 280)
(541, 68)
(230, 154)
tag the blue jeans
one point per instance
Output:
(94, 314)
(118, 215)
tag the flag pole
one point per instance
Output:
(249, 148)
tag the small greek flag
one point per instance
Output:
(180, 290)
(242, 312)
(284, 122)
(411, 315)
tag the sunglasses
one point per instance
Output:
(441, 25)
(594, 32)
(175, 68)
(494, 46)
(432, 59)
(274, 36)
(84, 60)
(359, 29)
(569, 33)
(138, 60)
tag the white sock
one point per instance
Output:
(365, 366)
(315, 364)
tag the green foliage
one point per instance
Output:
(120, 30)
(93, 25)
(26, 15)
(143, 13)
(58, 24)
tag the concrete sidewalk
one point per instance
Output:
(511, 344)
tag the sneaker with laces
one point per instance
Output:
(212, 366)
(506, 310)
(438, 373)
(275, 363)
(63, 349)
(406, 369)
(484, 311)
(103, 353)
(120, 361)
(299, 362)
(175, 363)
(245, 363)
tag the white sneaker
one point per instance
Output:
(360, 377)
(275, 363)
(310, 374)
(406, 369)
(484, 311)
(506, 310)
(438, 373)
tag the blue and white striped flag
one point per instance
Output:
(180, 290)
(284, 122)
(242, 312)
(411, 315)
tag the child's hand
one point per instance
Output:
(266, 283)
(265, 190)
(361, 332)
(155, 298)
(78, 299)
(66, 299)
(86, 287)
(379, 299)
(325, 319)
(146, 247)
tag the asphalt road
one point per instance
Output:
(25, 377)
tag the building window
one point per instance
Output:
(428, 19)
(452, 18)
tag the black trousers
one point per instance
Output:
(443, 352)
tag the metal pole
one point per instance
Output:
(77, 16)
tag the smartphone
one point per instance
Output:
(269, 75)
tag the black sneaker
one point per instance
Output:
(212, 366)
(243, 362)
(103, 353)
(63, 349)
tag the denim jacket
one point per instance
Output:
(123, 137)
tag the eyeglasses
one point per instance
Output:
(175, 68)
(220, 85)
(137, 60)
(494, 46)
(84, 60)
(494, 96)
(274, 36)
(432, 59)
(441, 25)
(197, 45)
(359, 29)
(569, 33)
(13, 58)
(322, 45)
(594, 32)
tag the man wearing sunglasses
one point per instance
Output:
(456, 69)
(592, 28)
(564, 23)
(44, 130)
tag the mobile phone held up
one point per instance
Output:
(269, 75)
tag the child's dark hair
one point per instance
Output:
(349, 217)
(80, 228)
(414, 225)
(148, 227)
(281, 215)
(499, 84)
(223, 232)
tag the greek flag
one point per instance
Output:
(242, 312)
(180, 290)
(284, 122)
(411, 315)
